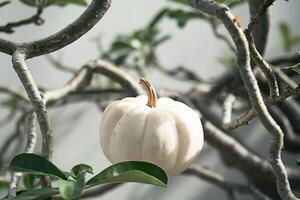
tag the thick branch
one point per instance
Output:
(276, 145)
(36, 100)
(72, 32)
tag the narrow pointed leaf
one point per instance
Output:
(35, 164)
(81, 168)
(131, 171)
(37, 194)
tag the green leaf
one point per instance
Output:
(182, 17)
(28, 181)
(37, 194)
(72, 189)
(161, 40)
(298, 161)
(153, 23)
(288, 39)
(4, 185)
(131, 171)
(13, 102)
(81, 168)
(34, 164)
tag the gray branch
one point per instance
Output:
(36, 100)
(276, 145)
(261, 30)
(219, 181)
(227, 108)
(29, 148)
(248, 116)
(66, 36)
(263, 65)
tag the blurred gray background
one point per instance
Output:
(76, 126)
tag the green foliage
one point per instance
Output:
(70, 189)
(137, 48)
(13, 102)
(182, 17)
(34, 164)
(81, 169)
(131, 171)
(229, 61)
(71, 184)
(37, 194)
(4, 185)
(29, 181)
(4, 2)
(288, 39)
(46, 3)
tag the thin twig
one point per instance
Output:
(262, 10)
(261, 29)
(248, 116)
(69, 34)
(214, 24)
(35, 19)
(8, 118)
(219, 180)
(227, 108)
(84, 76)
(263, 65)
(59, 65)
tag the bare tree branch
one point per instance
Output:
(219, 180)
(29, 148)
(245, 119)
(66, 36)
(59, 65)
(263, 65)
(72, 32)
(261, 29)
(227, 108)
(36, 100)
(291, 140)
(276, 145)
(35, 19)
(84, 77)
(7, 46)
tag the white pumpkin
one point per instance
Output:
(164, 132)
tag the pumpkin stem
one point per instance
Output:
(152, 98)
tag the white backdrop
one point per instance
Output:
(76, 140)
